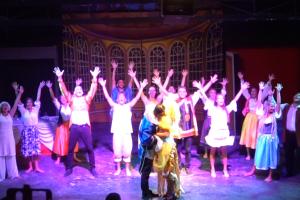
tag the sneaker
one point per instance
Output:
(93, 172)
(68, 172)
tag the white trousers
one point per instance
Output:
(122, 145)
(8, 165)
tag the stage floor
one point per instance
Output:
(198, 185)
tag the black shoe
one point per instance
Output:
(149, 195)
(93, 172)
(68, 172)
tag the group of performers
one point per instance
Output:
(168, 125)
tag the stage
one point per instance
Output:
(198, 185)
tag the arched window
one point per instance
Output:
(69, 57)
(98, 58)
(196, 58)
(177, 62)
(83, 62)
(137, 55)
(214, 51)
(158, 60)
(116, 53)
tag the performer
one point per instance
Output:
(120, 86)
(250, 124)
(147, 130)
(62, 133)
(291, 125)
(121, 126)
(8, 162)
(266, 154)
(80, 126)
(30, 142)
(166, 158)
(219, 136)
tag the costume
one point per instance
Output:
(266, 154)
(219, 135)
(147, 131)
(291, 126)
(121, 127)
(188, 126)
(7, 148)
(30, 145)
(80, 126)
(166, 159)
(62, 133)
(250, 124)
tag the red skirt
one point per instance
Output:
(61, 141)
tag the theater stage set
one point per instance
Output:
(206, 37)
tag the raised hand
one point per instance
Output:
(57, 72)
(240, 75)
(279, 87)
(131, 73)
(197, 84)
(156, 80)
(15, 86)
(42, 84)
(49, 84)
(271, 77)
(131, 65)
(156, 72)
(224, 82)
(245, 86)
(21, 89)
(101, 81)
(202, 80)
(185, 72)
(95, 72)
(114, 64)
(78, 81)
(261, 85)
(170, 72)
(214, 78)
(143, 83)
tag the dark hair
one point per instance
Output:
(113, 196)
(159, 111)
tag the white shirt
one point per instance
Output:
(80, 111)
(30, 118)
(121, 121)
(65, 111)
(291, 118)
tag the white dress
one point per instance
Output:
(8, 164)
(219, 135)
(7, 140)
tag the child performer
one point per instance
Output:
(219, 136)
(266, 154)
(62, 133)
(121, 126)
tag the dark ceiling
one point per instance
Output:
(41, 21)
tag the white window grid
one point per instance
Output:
(158, 60)
(116, 53)
(177, 62)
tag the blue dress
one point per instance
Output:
(266, 154)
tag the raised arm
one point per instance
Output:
(170, 74)
(224, 83)
(114, 65)
(259, 96)
(15, 106)
(268, 86)
(245, 93)
(106, 95)
(130, 67)
(62, 85)
(156, 81)
(244, 86)
(132, 74)
(49, 85)
(136, 98)
(39, 91)
(213, 79)
(93, 89)
(278, 98)
(184, 73)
